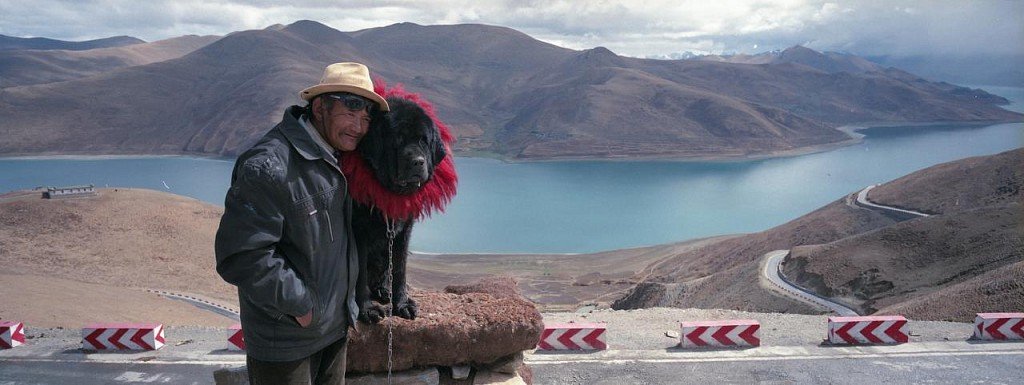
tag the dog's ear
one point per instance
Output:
(435, 143)
(371, 147)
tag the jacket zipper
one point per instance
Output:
(330, 228)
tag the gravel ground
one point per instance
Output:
(647, 329)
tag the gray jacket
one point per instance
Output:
(286, 242)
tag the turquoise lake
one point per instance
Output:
(586, 206)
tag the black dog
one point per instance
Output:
(402, 148)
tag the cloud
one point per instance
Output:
(634, 28)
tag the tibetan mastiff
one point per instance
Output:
(401, 149)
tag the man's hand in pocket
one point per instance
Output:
(305, 320)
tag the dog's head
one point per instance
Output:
(402, 147)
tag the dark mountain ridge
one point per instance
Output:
(501, 91)
(42, 43)
(27, 66)
(829, 62)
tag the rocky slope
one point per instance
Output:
(724, 274)
(916, 258)
(969, 254)
(966, 259)
(501, 91)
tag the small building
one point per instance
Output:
(69, 191)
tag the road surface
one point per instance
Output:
(772, 272)
(925, 362)
(862, 200)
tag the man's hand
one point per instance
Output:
(305, 320)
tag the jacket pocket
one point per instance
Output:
(306, 226)
(312, 226)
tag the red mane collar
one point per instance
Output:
(433, 196)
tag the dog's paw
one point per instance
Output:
(406, 309)
(371, 313)
(382, 295)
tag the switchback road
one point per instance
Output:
(862, 200)
(773, 274)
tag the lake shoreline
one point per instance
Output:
(572, 208)
(87, 156)
(851, 130)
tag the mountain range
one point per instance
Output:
(42, 43)
(503, 93)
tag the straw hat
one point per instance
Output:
(345, 77)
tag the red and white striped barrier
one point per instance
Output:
(236, 341)
(123, 336)
(999, 326)
(698, 334)
(868, 330)
(573, 336)
(11, 334)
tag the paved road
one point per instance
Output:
(952, 363)
(862, 200)
(96, 373)
(773, 274)
(938, 362)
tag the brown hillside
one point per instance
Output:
(958, 186)
(831, 62)
(676, 119)
(124, 241)
(1001, 289)
(868, 259)
(501, 91)
(27, 67)
(222, 97)
(941, 267)
(914, 259)
(725, 274)
(42, 43)
(122, 237)
(843, 97)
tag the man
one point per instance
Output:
(285, 239)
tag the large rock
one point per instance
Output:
(478, 325)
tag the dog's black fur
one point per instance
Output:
(402, 147)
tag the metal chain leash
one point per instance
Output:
(392, 231)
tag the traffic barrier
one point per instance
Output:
(123, 336)
(728, 333)
(573, 336)
(999, 326)
(12, 334)
(236, 341)
(867, 330)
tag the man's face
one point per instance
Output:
(340, 126)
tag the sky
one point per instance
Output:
(632, 28)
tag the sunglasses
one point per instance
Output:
(354, 102)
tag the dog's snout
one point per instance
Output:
(419, 161)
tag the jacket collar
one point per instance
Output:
(298, 136)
